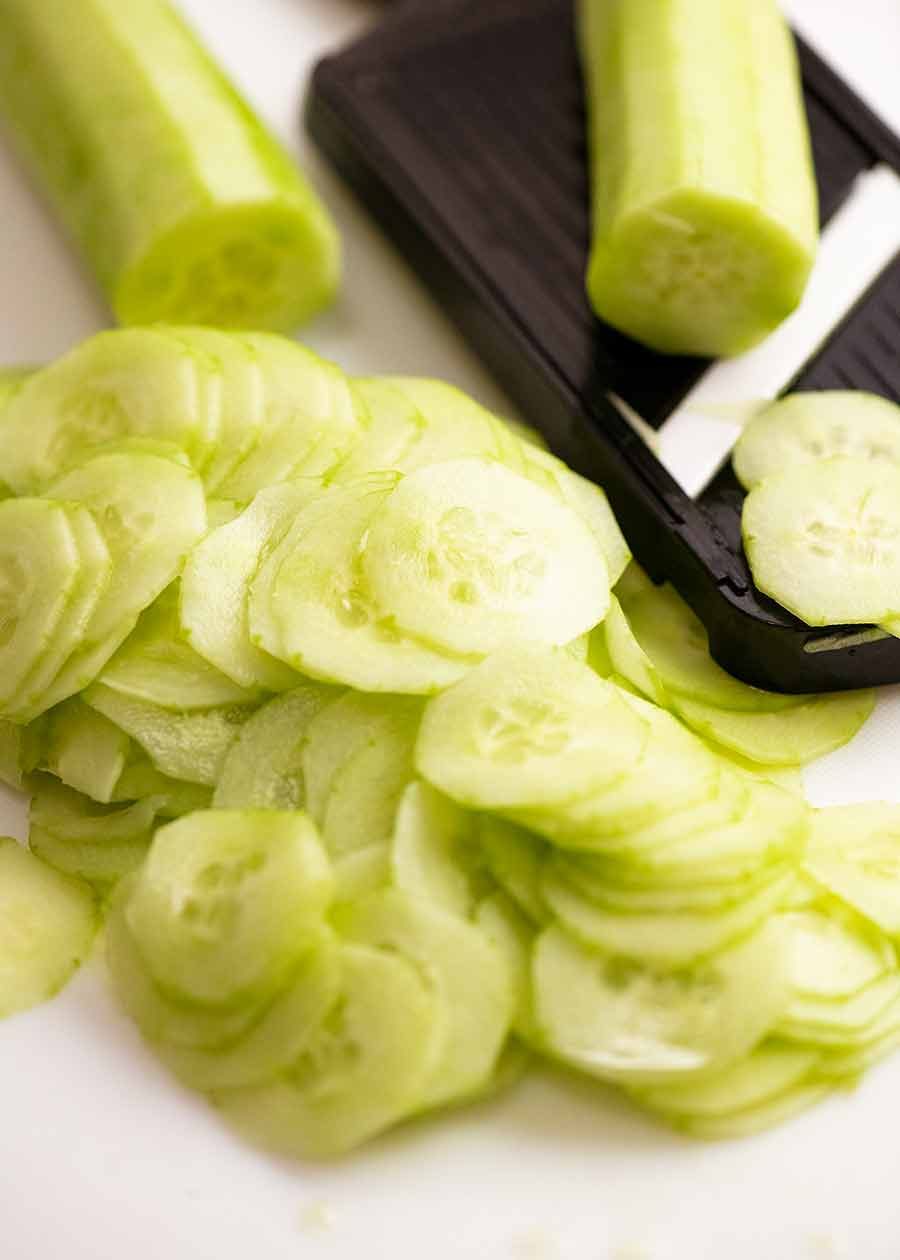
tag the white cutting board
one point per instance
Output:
(102, 1157)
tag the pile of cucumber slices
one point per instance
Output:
(341, 704)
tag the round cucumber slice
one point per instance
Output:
(753, 1120)
(823, 540)
(528, 727)
(47, 927)
(512, 935)
(311, 607)
(843, 1024)
(435, 855)
(792, 737)
(364, 1069)
(808, 427)
(515, 858)
(395, 426)
(854, 852)
(455, 425)
(625, 1021)
(628, 659)
(471, 557)
(226, 900)
(468, 976)
(831, 959)
(263, 769)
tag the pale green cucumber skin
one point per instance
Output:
(701, 162)
(174, 226)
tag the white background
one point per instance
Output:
(103, 1158)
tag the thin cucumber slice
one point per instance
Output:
(156, 664)
(854, 852)
(21, 751)
(183, 204)
(311, 608)
(466, 973)
(455, 425)
(515, 858)
(226, 900)
(362, 871)
(47, 926)
(215, 585)
(174, 797)
(627, 1022)
(767, 1073)
(101, 865)
(79, 671)
(364, 1070)
(823, 540)
(40, 568)
(793, 737)
(704, 200)
(340, 730)
(275, 1040)
(470, 557)
(512, 935)
(831, 958)
(263, 769)
(627, 658)
(395, 427)
(528, 727)
(85, 750)
(880, 1038)
(844, 1024)
(671, 939)
(189, 746)
(741, 1124)
(808, 427)
(435, 854)
(676, 644)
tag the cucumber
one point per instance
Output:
(263, 769)
(753, 1120)
(528, 727)
(515, 857)
(435, 855)
(512, 936)
(21, 751)
(311, 608)
(47, 927)
(226, 901)
(831, 958)
(628, 1022)
(85, 750)
(455, 425)
(808, 427)
(174, 797)
(627, 658)
(822, 540)
(395, 426)
(791, 737)
(363, 1071)
(464, 970)
(188, 746)
(215, 585)
(854, 853)
(470, 558)
(704, 199)
(183, 204)
(362, 871)
(846, 1024)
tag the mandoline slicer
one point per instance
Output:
(460, 124)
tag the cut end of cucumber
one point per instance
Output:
(268, 266)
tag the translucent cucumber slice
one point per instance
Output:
(79, 671)
(174, 797)
(471, 557)
(880, 1039)
(395, 426)
(528, 727)
(99, 864)
(793, 737)
(624, 1021)
(85, 750)
(831, 958)
(466, 973)
(854, 852)
(226, 901)
(189, 746)
(808, 427)
(823, 540)
(263, 769)
(126, 383)
(364, 1070)
(843, 1024)
(456, 426)
(277, 1038)
(21, 751)
(40, 568)
(628, 659)
(512, 935)
(768, 1115)
(362, 871)
(98, 843)
(435, 856)
(156, 664)
(768, 1072)
(216, 580)
(515, 858)
(669, 939)
(676, 644)
(311, 608)
(47, 926)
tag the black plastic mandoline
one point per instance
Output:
(460, 124)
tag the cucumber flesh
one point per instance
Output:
(854, 853)
(174, 797)
(515, 858)
(753, 1120)
(85, 750)
(627, 658)
(395, 427)
(845, 1024)
(47, 927)
(704, 201)
(512, 935)
(362, 871)
(434, 853)
(831, 961)
(21, 751)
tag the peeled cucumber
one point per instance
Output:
(704, 200)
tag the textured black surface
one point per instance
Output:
(461, 125)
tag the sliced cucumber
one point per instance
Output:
(226, 901)
(704, 200)
(455, 425)
(362, 871)
(833, 959)
(515, 858)
(47, 926)
(512, 935)
(623, 1021)
(753, 1120)
(528, 727)
(470, 557)
(435, 854)
(21, 751)
(365, 1069)
(823, 539)
(845, 1024)
(395, 427)
(808, 427)
(174, 797)
(85, 749)
(627, 658)
(854, 853)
